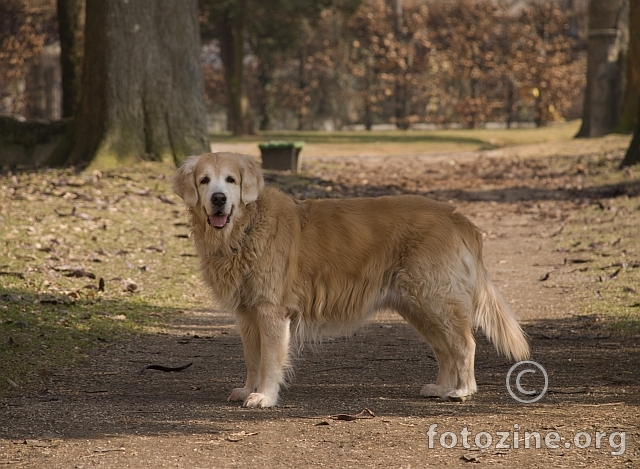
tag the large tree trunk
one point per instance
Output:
(608, 31)
(401, 89)
(142, 85)
(267, 102)
(232, 54)
(633, 152)
(632, 156)
(71, 14)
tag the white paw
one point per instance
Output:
(432, 390)
(239, 394)
(458, 395)
(256, 399)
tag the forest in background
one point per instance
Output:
(456, 63)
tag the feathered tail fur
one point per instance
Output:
(495, 318)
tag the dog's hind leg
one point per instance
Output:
(274, 357)
(447, 372)
(462, 348)
(448, 331)
(251, 344)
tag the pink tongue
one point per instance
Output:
(218, 221)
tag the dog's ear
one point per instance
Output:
(252, 180)
(184, 182)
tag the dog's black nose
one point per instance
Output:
(218, 199)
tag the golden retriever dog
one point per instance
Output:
(291, 268)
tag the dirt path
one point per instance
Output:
(107, 413)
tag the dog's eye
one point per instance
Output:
(231, 180)
(204, 180)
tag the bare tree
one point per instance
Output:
(633, 152)
(142, 86)
(232, 31)
(606, 62)
(71, 29)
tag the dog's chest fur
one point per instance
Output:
(240, 267)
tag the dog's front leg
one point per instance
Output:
(274, 332)
(250, 334)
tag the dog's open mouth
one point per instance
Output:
(219, 220)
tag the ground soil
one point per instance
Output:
(354, 401)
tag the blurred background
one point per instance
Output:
(277, 65)
(354, 64)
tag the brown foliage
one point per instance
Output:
(469, 62)
(463, 61)
(24, 30)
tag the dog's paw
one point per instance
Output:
(458, 395)
(239, 394)
(432, 390)
(256, 399)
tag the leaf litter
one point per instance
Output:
(519, 202)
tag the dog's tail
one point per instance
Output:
(495, 318)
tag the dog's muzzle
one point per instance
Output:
(219, 219)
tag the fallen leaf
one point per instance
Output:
(107, 450)
(235, 437)
(38, 443)
(363, 414)
(166, 199)
(74, 271)
(577, 261)
(129, 285)
(470, 458)
(60, 214)
(12, 274)
(79, 273)
(13, 383)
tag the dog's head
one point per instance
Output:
(220, 185)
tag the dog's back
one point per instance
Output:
(359, 255)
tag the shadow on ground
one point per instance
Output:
(381, 367)
(362, 137)
(301, 186)
(518, 194)
(43, 331)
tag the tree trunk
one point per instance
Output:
(142, 86)
(510, 102)
(232, 54)
(633, 152)
(400, 94)
(368, 112)
(627, 121)
(71, 15)
(300, 109)
(608, 31)
(267, 102)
